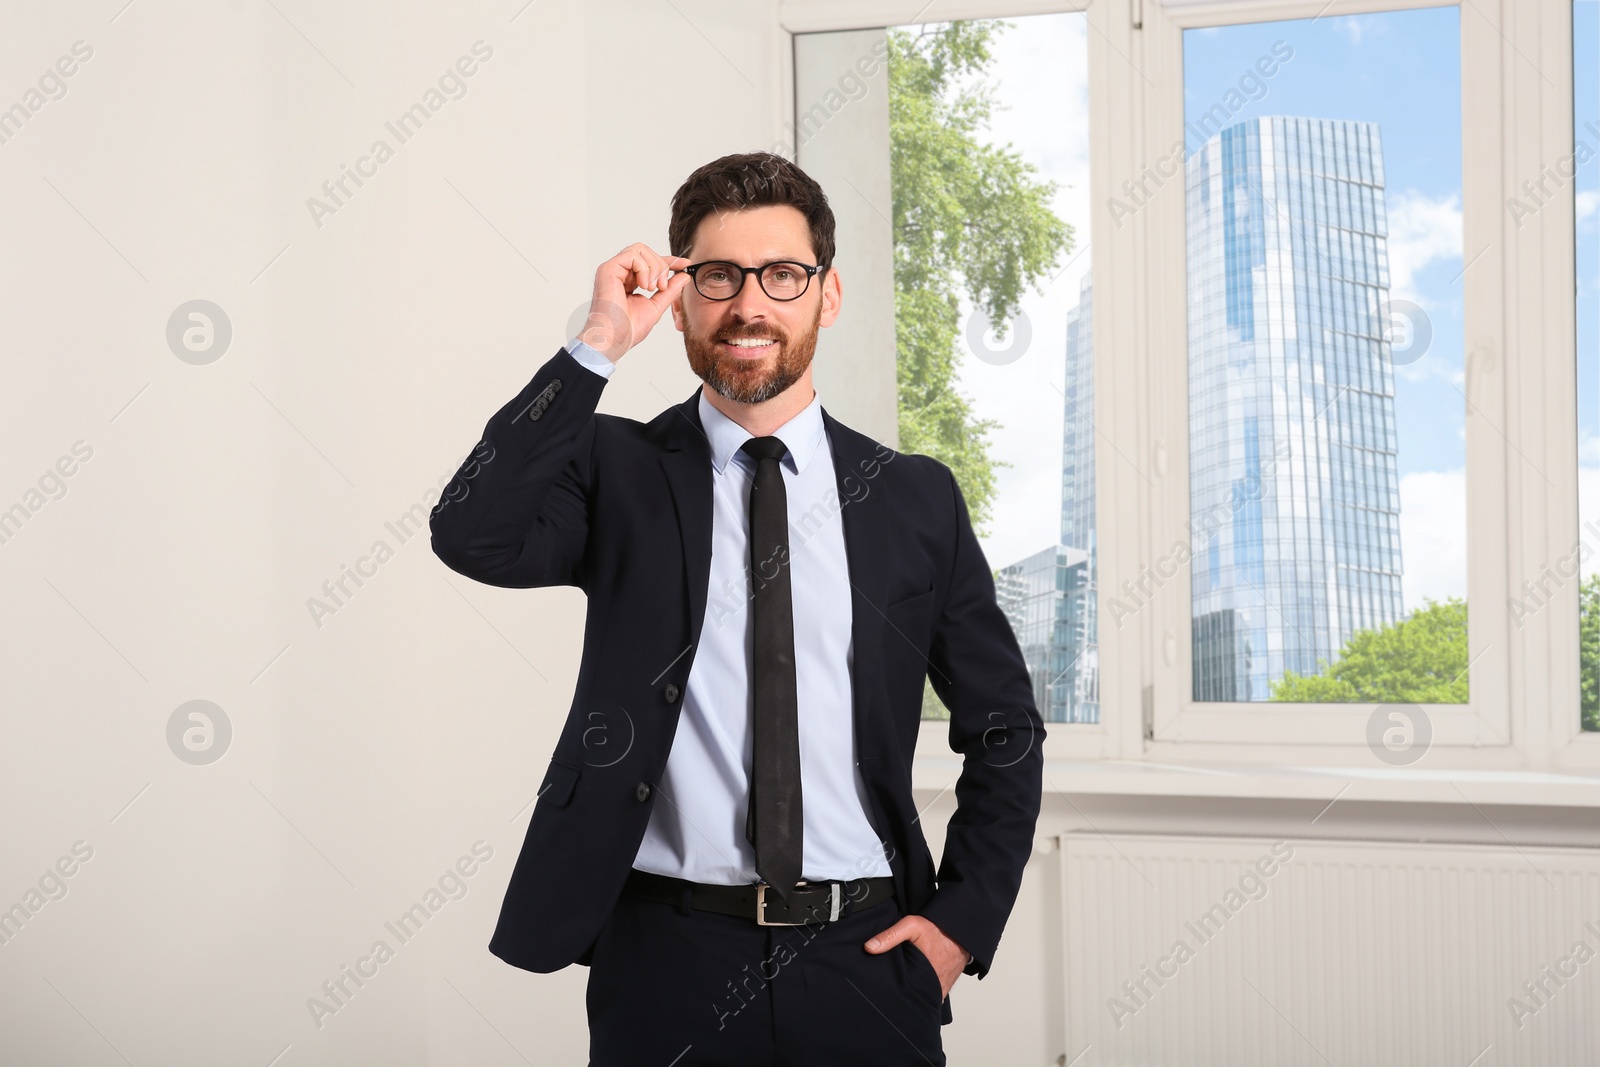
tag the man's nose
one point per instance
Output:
(750, 304)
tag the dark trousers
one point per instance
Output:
(674, 987)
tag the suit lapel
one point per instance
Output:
(687, 466)
(857, 467)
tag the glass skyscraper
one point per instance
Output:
(1044, 597)
(1050, 597)
(1293, 488)
(1080, 617)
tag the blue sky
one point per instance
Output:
(1586, 109)
(1402, 71)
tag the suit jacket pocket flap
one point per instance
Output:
(558, 783)
(910, 605)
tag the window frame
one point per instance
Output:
(1178, 718)
(1520, 369)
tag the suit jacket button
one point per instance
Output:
(642, 791)
(671, 693)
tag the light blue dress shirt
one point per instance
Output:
(696, 828)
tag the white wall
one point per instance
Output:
(370, 752)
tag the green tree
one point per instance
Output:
(1589, 649)
(967, 217)
(1419, 660)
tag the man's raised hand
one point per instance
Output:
(619, 318)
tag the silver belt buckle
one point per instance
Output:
(761, 904)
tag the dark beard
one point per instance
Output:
(752, 381)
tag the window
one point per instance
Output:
(986, 159)
(1322, 373)
(990, 156)
(1316, 290)
(1326, 418)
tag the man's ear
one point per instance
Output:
(831, 297)
(677, 313)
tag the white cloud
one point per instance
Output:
(1587, 201)
(1356, 27)
(1433, 536)
(1589, 498)
(1423, 230)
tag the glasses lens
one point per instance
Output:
(784, 281)
(717, 281)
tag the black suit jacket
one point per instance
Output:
(556, 494)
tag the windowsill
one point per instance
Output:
(934, 773)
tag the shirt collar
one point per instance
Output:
(800, 435)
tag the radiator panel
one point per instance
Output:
(1353, 953)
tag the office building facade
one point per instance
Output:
(1294, 490)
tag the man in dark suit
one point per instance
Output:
(726, 833)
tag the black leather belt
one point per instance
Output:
(808, 901)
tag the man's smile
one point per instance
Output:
(748, 347)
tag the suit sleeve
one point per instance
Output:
(978, 671)
(516, 514)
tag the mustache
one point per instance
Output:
(753, 330)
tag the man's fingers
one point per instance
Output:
(619, 272)
(643, 271)
(657, 269)
(636, 267)
(632, 265)
(669, 291)
(643, 267)
(900, 931)
(646, 271)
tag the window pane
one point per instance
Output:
(1586, 141)
(1327, 422)
(990, 206)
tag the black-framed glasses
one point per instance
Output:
(717, 279)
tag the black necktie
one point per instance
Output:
(773, 823)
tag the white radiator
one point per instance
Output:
(1253, 951)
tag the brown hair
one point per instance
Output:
(750, 179)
